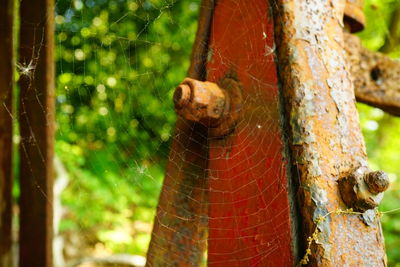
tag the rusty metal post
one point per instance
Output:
(37, 111)
(180, 226)
(326, 141)
(6, 92)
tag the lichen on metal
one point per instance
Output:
(325, 137)
(376, 77)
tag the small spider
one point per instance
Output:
(26, 69)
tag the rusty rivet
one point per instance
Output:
(209, 104)
(199, 101)
(363, 189)
(182, 95)
(377, 181)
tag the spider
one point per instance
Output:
(26, 69)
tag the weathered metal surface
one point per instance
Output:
(249, 208)
(179, 233)
(363, 189)
(325, 137)
(209, 104)
(376, 77)
(37, 111)
(6, 92)
(354, 15)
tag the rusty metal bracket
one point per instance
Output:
(214, 106)
(363, 189)
(376, 77)
(354, 15)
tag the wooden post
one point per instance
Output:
(6, 92)
(36, 69)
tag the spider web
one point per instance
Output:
(118, 63)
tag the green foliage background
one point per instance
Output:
(117, 64)
(382, 131)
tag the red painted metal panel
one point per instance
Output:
(249, 210)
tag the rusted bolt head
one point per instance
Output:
(182, 96)
(377, 181)
(203, 102)
(217, 107)
(362, 189)
(354, 15)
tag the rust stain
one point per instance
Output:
(326, 140)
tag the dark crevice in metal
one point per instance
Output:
(197, 69)
(298, 242)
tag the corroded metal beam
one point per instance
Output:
(180, 226)
(325, 136)
(376, 77)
